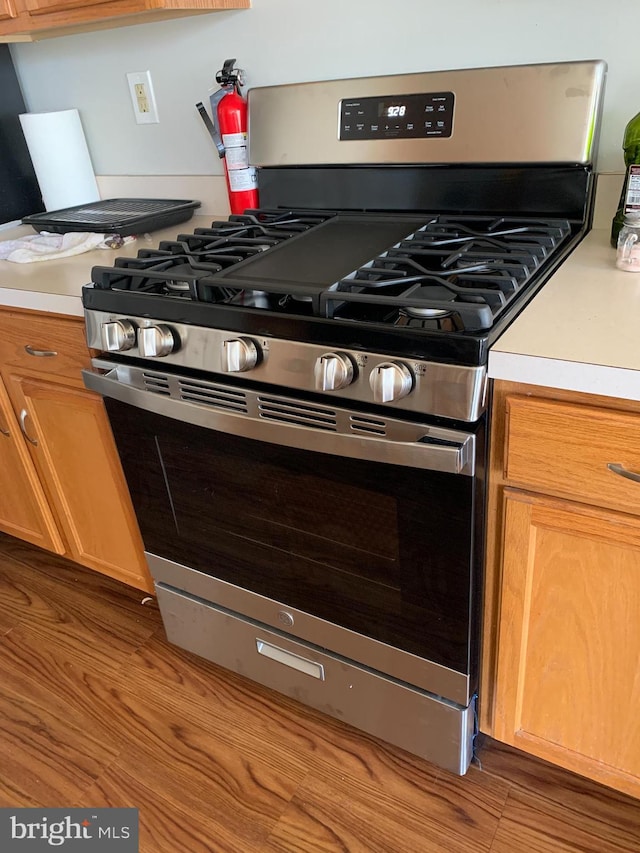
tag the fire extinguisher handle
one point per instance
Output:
(228, 75)
(217, 139)
(214, 100)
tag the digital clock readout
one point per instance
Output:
(393, 110)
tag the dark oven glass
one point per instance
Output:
(380, 549)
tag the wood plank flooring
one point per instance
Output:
(97, 709)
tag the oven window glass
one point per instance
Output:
(380, 549)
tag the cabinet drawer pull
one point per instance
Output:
(4, 431)
(619, 469)
(23, 417)
(40, 353)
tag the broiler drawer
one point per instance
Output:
(581, 452)
(389, 709)
(46, 345)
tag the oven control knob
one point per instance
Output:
(390, 380)
(239, 354)
(156, 341)
(118, 335)
(333, 370)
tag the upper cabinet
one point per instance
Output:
(29, 20)
(7, 10)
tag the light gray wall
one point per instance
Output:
(282, 41)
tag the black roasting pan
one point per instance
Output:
(122, 216)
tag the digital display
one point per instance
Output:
(392, 110)
(397, 116)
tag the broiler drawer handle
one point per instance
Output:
(304, 665)
(23, 416)
(41, 353)
(619, 469)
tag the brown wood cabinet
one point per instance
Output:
(61, 461)
(561, 657)
(23, 20)
(24, 511)
(7, 10)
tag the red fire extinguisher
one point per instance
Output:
(229, 133)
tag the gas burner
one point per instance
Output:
(251, 299)
(178, 287)
(428, 320)
(433, 293)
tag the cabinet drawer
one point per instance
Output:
(565, 449)
(43, 344)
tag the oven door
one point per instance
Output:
(354, 532)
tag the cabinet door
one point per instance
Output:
(88, 10)
(77, 460)
(24, 511)
(568, 684)
(7, 10)
(36, 7)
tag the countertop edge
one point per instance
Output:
(33, 300)
(618, 382)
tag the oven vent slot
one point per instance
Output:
(157, 383)
(214, 396)
(303, 414)
(369, 426)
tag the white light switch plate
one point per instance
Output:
(143, 98)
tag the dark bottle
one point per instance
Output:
(631, 148)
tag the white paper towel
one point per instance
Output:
(60, 158)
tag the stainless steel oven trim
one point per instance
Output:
(365, 651)
(398, 713)
(446, 390)
(286, 421)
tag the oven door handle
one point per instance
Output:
(267, 417)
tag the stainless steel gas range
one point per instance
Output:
(299, 394)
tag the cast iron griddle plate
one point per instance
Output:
(314, 260)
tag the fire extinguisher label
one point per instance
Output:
(242, 179)
(234, 140)
(237, 158)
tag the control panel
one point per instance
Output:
(397, 116)
(417, 385)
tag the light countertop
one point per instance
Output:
(56, 285)
(580, 332)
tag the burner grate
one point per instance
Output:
(182, 267)
(466, 268)
(467, 271)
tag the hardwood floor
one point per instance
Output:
(96, 708)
